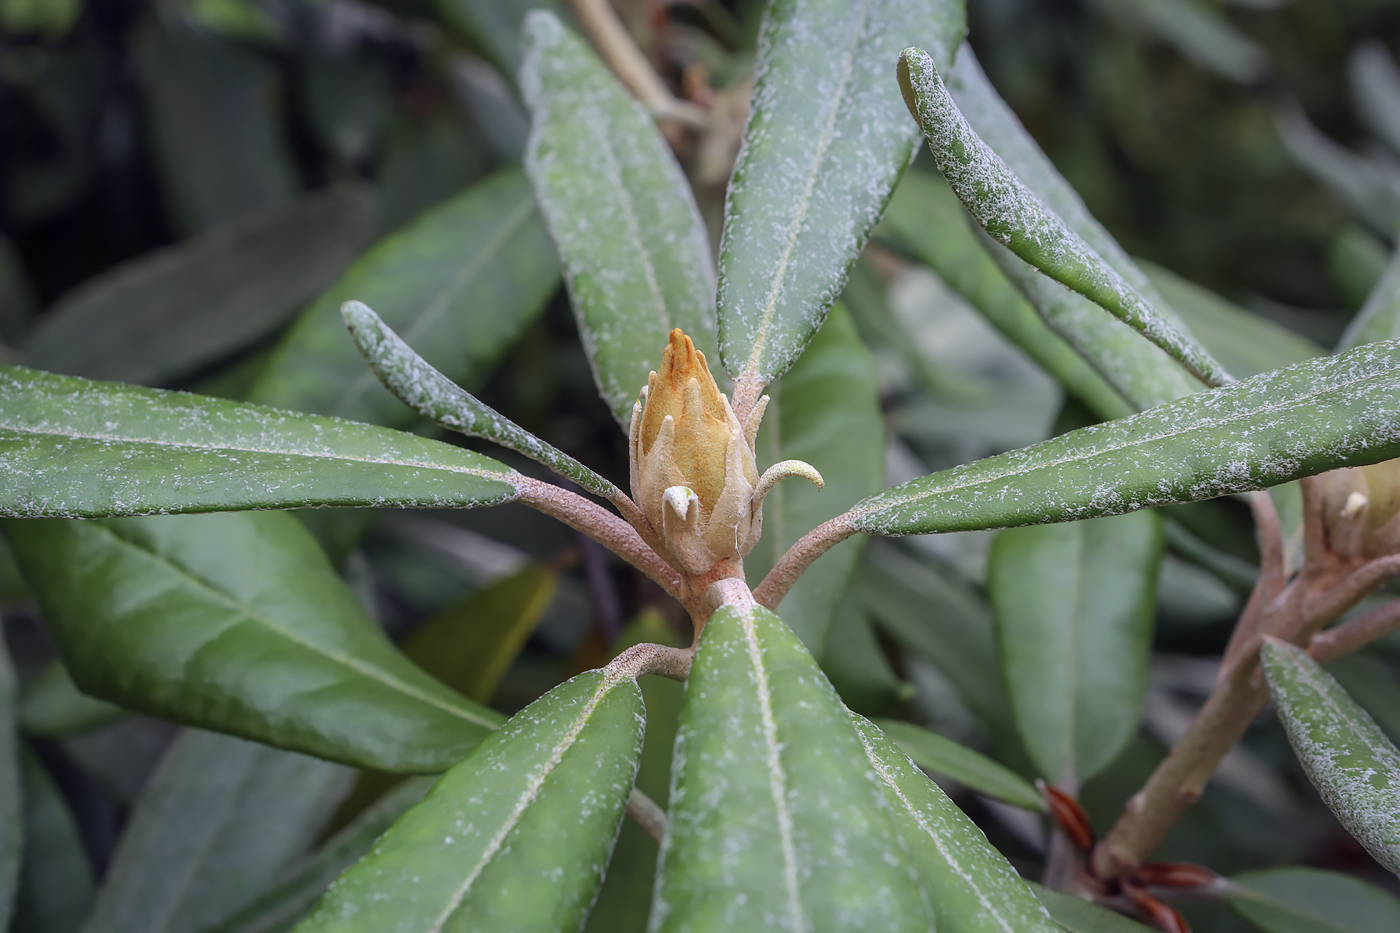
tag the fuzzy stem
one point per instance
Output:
(616, 47)
(1341, 641)
(648, 815)
(799, 557)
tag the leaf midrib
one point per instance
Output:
(1078, 457)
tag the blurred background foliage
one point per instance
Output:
(181, 179)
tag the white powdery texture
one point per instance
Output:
(1348, 758)
(634, 249)
(1273, 428)
(827, 139)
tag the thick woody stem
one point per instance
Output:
(610, 38)
(602, 526)
(1273, 577)
(1338, 599)
(648, 814)
(1341, 641)
(648, 658)
(799, 557)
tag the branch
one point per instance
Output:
(648, 658)
(1346, 594)
(602, 526)
(1341, 641)
(799, 557)
(648, 814)
(611, 40)
(1273, 576)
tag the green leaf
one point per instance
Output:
(434, 396)
(1074, 610)
(826, 141)
(635, 251)
(461, 282)
(90, 449)
(1003, 206)
(55, 886)
(1245, 342)
(1356, 260)
(934, 752)
(945, 622)
(774, 820)
(493, 26)
(53, 706)
(517, 835)
(1379, 317)
(1307, 900)
(237, 622)
(279, 908)
(856, 664)
(173, 310)
(1270, 429)
(1350, 761)
(925, 218)
(1375, 90)
(469, 645)
(1080, 916)
(11, 796)
(972, 887)
(216, 822)
(825, 411)
(1200, 33)
(1365, 186)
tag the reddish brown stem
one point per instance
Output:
(1351, 636)
(798, 558)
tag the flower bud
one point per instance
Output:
(1361, 510)
(694, 474)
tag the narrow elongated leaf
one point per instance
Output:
(517, 835)
(1379, 317)
(1074, 606)
(237, 622)
(469, 645)
(972, 887)
(826, 411)
(461, 282)
(1375, 89)
(1080, 916)
(1307, 900)
(217, 821)
(56, 886)
(1362, 184)
(11, 796)
(855, 662)
(1015, 217)
(826, 141)
(75, 448)
(1350, 761)
(53, 706)
(634, 248)
(1270, 429)
(434, 396)
(934, 752)
(925, 218)
(774, 820)
(278, 909)
(1245, 342)
(170, 311)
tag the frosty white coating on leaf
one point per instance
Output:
(1015, 217)
(977, 889)
(515, 837)
(1270, 429)
(74, 448)
(434, 396)
(826, 141)
(634, 249)
(1348, 758)
(775, 820)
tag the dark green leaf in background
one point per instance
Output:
(11, 792)
(90, 449)
(774, 819)
(635, 252)
(826, 411)
(460, 283)
(972, 888)
(56, 885)
(1306, 900)
(856, 662)
(1354, 766)
(170, 311)
(1074, 609)
(826, 141)
(52, 706)
(1199, 32)
(934, 752)
(1379, 317)
(237, 622)
(218, 820)
(515, 837)
(493, 26)
(1080, 916)
(1270, 429)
